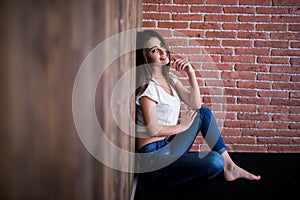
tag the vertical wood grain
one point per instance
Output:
(42, 46)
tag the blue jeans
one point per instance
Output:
(174, 164)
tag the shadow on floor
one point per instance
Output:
(280, 178)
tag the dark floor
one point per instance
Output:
(280, 179)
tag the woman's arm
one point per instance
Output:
(154, 128)
(192, 96)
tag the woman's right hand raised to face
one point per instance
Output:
(187, 120)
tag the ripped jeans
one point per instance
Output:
(170, 162)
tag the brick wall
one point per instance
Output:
(247, 56)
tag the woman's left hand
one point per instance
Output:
(181, 65)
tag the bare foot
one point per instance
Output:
(233, 172)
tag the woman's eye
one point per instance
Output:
(153, 50)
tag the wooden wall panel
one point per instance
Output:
(42, 46)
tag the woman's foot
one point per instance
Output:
(233, 172)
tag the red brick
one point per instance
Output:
(255, 2)
(185, 50)
(240, 108)
(295, 44)
(286, 3)
(295, 61)
(223, 51)
(271, 10)
(238, 75)
(273, 109)
(206, 9)
(149, 8)
(157, 1)
(230, 132)
(204, 43)
(255, 101)
(240, 140)
(176, 42)
(222, 2)
(188, 1)
(294, 27)
(253, 35)
(219, 18)
(156, 16)
(254, 84)
(149, 24)
(252, 51)
(238, 27)
(288, 118)
(248, 148)
(295, 10)
(239, 9)
(284, 52)
(273, 44)
(175, 9)
(297, 127)
(172, 24)
(272, 94)
(239, 92)
(258, 133)
(238, 59)
(292, 19)
(188, 33)
(273, 77)
(285, 102)
(254, 18)
(247, 63)
(286, 86)
(272, 60)
(295, 79)
(283, 149)
(204, 58)
(240, 124)
(295, 110)
(204, 25)
(237, 43)
(285, 36)
(187, 17)
(273, 140)
(272, 125)
(285, 69)
(271, 27)
(220, 34)
(217, 66)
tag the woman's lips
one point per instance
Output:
(163, 58)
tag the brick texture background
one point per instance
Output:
(247, 59)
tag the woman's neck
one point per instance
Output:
(157, 72)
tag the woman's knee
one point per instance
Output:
(205, 110)
(216, 161)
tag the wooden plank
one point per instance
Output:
(44, 43)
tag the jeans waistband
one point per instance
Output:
(153, 146)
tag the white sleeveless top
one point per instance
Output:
(168, 106)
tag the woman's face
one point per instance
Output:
(157, 53)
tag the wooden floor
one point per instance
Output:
(280, 178)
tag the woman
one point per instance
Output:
(158, 97)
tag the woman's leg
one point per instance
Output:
(187, 167)
(204, 123)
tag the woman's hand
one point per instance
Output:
(187, 120)
(182, 65)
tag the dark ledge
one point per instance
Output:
(280, 174)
